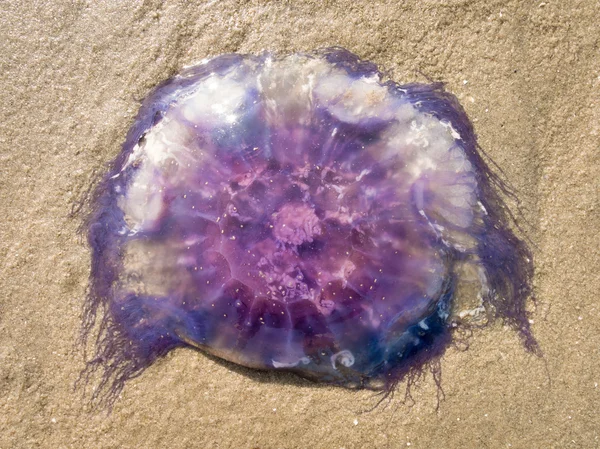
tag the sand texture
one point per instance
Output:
(528, 74)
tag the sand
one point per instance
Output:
(528, 74)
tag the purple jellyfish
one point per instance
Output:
(298, 213)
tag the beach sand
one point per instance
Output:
(528, 74)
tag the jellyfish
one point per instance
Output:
(298, 213)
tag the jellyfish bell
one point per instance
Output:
(297, 213)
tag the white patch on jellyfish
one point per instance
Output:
(144, 204)
(168, 143)
(482, 207)
(214, 100)
(453, 132)
(163, 157)
(456, 160)
(302, 360)
(345, 358)
(135, 154)
(362, 174)
(426, 145)
(287, 88)
(459, 217)
(418, 134)
(392, 144)
(351, 100)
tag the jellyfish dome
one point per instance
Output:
(297, 213)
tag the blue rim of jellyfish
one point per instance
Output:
(507, 260)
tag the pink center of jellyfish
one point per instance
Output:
(295, 224)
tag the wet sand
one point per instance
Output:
(528, 74)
